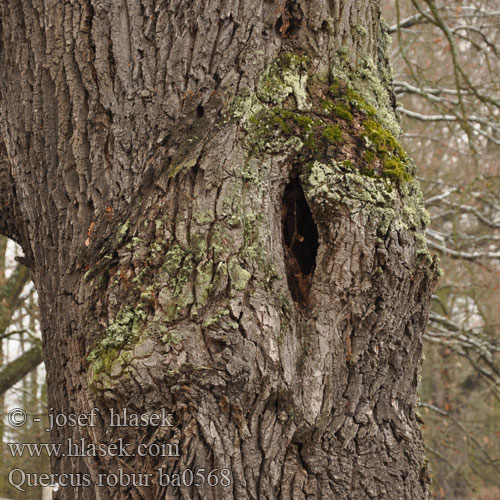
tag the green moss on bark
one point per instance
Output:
(382, 144)
(330, 116)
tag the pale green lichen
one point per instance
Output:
(121, 233)
(158, 248)
(368, 83)
(252, 238)
(216, 318)
(166, 288)
(203, 282)
(198, 244)
(285, 76)
(344, 52)
(239, 276)
(173, 260)
(134, 243)
(245, 106)
(203, 216)
(124, 331)
(360, 30)
(219, 242)
(232, 208)
(173, 337)
(374, 198)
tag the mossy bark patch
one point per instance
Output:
(330, 126)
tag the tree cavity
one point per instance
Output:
(300, 241)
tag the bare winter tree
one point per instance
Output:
(221, 222)
(11, 300)
(447, 73)
(20, 354)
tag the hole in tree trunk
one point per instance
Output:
(300, 239)
(296, 17)
(279, 24)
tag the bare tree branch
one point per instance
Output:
(13, 372)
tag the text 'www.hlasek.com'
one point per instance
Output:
(164, 451)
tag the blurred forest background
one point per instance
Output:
(446, 62)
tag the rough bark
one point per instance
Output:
(150, 146)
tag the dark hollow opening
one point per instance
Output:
(279, 24)
(296, 17)
(200, 111)
(301, 241)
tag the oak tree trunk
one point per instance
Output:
(220, 222)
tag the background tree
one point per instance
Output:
(11, 301)
(219, 220)
(21, 354)
(447, 73)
